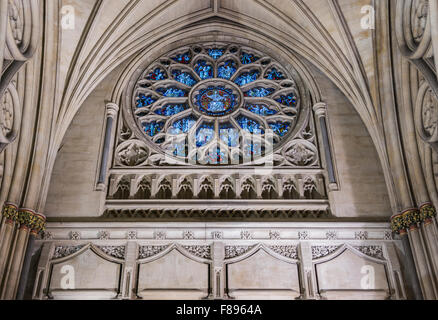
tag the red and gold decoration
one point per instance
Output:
(427, 213)
(411, 218)
(10, 212)
(31, 220)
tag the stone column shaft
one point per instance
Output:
(321, 114)
(30, 223)
(111, 114)
(11, 283)
(407, 225)
(10, 216)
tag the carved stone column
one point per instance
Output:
(320, 110)
(427, 215)
(10, 218)
(406, 225)
(112, 111)
(31, 224)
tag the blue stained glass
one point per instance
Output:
(261, 110)
(259, 92)
(184, 77)
(144, 101)
(247, 77)
(216, 156)
(289, 100)
(172, 92)
(183, 58)
(171, 109)
(153, 128)
(204, 134)
(216, 53)
(229, 135)
(157, 75)
(274, 74)
(250, 125)
(248, 58)
(280, 128)
(253, 150)
(216, 101)
(183, 125)
(227, 70)
(204, 70)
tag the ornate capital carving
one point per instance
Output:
(427, 213)
(112, 110)
(10, 212)
(320, 109)
(31, 220)
(408, 219)
(426, 115)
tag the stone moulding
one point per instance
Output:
(212, 214)
(66, 251)
(146, 252)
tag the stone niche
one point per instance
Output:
(262, 276)
(86, 275)
(348, 276)
(173, 276)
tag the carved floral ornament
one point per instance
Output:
(426, 115)
(10, 116)
(413, 28)
(23, 29)
(217, 104)
(26, 218)
(410, 219)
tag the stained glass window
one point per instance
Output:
(214, 98)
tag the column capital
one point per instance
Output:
(320, 109)
(406, 220)
(112, 110)
(32, 221)
(10, 212)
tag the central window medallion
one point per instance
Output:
(216, 104)
(216, 99)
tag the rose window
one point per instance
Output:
(216, 104)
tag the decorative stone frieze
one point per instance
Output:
(274, 235)
(65, 251)
(117, 252)
(175, 214)
(372, 251)
(246, 235)
(290, 252)
(331, 235)
(188, 235)
(150, 251)
(323, 251)
(203, 252)
(75, 235)
(132, 235)
(103, 235)
(160, 235)
(236, 251)
(303, 235)
(361, 235)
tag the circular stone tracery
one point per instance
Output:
(216, 95)
(215, 98)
